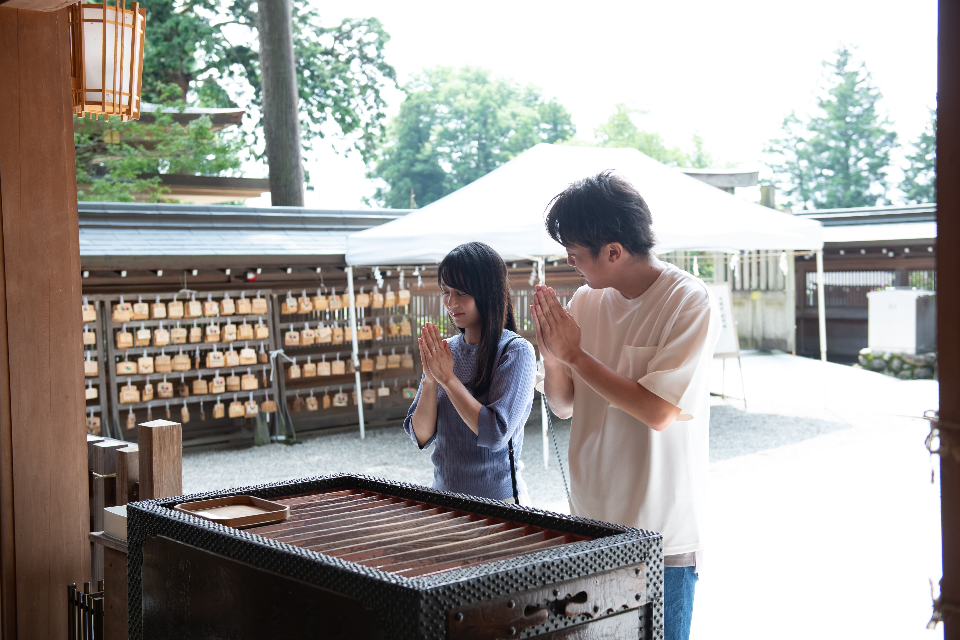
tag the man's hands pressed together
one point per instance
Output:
(557, 332)
(558, 335)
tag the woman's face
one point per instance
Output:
(461, 307)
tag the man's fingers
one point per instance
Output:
(554, 302)
(543, 308)
(536, 325)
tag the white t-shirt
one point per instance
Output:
(621, 470)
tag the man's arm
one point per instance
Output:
(559, 335)
(557, 384)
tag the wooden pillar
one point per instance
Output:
(948, 303)
(161, 459)
(44, 510)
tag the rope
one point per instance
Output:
(941, 609)
(273, 356)
(947, 436)
(556, 447)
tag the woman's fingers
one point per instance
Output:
(432, 337)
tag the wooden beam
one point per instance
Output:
(161, 459)
(37, 5)
(44, 508)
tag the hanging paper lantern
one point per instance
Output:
(106, 48)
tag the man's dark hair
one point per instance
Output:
(601, 209)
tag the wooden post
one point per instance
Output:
(128, 474)
(44, 507)
(115, 594)
(103, 469)
(948, 306)
(161, 459)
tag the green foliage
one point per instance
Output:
(111, 156)
(919, 176)
(621, 131)
(456, 126)
(839, 157)
(341, 70)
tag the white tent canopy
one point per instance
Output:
(505, 209)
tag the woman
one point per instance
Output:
(478, 386)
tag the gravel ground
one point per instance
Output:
(389, 453)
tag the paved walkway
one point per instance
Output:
(834, 536)
(822, 520)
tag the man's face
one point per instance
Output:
(593, 270)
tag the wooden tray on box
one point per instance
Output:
(238, 512)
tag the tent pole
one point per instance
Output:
(356, 348)
(821, 306)
(543, 402)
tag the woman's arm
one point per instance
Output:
(436, 356)
(424, 419)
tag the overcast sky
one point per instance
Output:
(728, 70)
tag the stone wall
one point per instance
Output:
(905, 366)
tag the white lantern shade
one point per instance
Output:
(108, 58)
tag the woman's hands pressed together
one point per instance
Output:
(438, 366)
(435, 356)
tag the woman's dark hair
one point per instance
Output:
(601, 209)
(477, 270)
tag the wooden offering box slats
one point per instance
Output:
(363, 558)
(402, 536)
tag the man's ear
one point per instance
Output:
(614, 251)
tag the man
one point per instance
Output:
(629, 360)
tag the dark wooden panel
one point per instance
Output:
(43, 370)
(186, 592)
(115, 594)
(624, 625)
(948, 305)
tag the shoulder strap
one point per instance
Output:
(503, 351)
(513, 467)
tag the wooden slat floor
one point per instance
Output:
(405, 537)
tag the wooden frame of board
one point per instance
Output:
(728, 346)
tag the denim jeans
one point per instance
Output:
(678, 587)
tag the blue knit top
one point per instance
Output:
(479, 465)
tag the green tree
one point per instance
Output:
(839, 157)
(621, 131)
(456, 126)
(919, 176)
(112, 157)
(341, 70)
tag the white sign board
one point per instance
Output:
(729, 344)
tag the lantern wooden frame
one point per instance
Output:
(121, 32)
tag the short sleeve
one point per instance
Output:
(680, 371)
(510, 397)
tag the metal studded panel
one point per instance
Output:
(408, 607)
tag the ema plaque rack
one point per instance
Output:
(365, 558)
